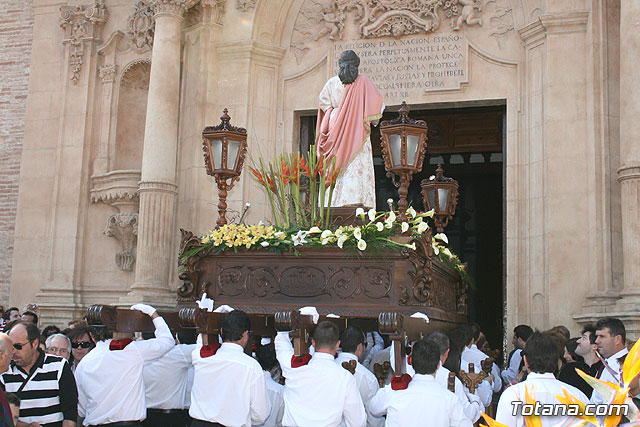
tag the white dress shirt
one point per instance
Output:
(276, 400)
(423, 402)
(543, 388)
(471, 404)
(165, 379)
(509, 375)
(110, 385)
(320, 393)
(367, 386)
(613, 377)
(228, 388)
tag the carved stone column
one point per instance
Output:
(158, 181)
(629, 171)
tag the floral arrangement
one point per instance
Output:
(299, 189)
(373, 235)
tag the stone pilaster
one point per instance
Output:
(156, 225)
(629, 171)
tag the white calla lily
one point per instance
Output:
(442, 236)
(371, 214)
(422, 227)
(341, 240)
(264, 244)
(362, 245)
(325, 234)
(314, 229)
(412, 212)
(392, 216)
(413, 246)
(357, 233)
(359, 211)
(447, 252)
(379, 226)
(436, 250)
(430, 213)
(404, 227)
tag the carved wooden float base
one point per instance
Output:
(332, 280)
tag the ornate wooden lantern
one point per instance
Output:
(225, 148)
(404, 144)
(440, 194)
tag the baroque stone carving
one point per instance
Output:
(501, 20)
(81, 24)
(379, 18)
(245, 5)
(124, 227)
(142, 26)
(107, 73)
(171, 7)
(117, 188)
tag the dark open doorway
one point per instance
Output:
(468, 143)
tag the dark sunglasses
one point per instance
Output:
(19, 346)
(83, 344)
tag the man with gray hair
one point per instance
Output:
(59, 345)
(471, 404)
(6, 353)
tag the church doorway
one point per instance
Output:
(468, 142)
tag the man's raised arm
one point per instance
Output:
(156, 347)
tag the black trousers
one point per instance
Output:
(172, 418)
(200, 423)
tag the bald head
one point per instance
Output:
(6, 352)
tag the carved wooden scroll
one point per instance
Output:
(381, 371)
(473, 380)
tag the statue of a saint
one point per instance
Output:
(348, 104)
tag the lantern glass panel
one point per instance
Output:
(232, 153)
(395, 141)
(216, 151)
(443, 197)
(412, 149)
(431, 198)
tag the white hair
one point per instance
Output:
(51, 337)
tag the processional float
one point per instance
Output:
(270, 278)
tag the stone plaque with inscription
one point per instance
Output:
(399, 67)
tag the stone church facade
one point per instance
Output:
(119, 91)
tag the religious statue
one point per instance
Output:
(349, 103)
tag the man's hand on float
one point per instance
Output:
(146, 309)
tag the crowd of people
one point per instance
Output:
(82, 376)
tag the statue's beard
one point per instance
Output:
(348, 73)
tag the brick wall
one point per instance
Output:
(16, 35)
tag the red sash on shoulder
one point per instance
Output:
(209, 350)
(400, 382)
(297, 361)
(119, 344)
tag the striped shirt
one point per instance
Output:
(49, 396)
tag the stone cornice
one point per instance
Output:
(249, 50)
(573, 22)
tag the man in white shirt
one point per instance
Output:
(610, 340)
(473, 354)
(352, 343)
(165, 383)
(109, 377)
(228, 386)
(424, 401)
(266, 355)
(521, 334)
(461, 337)
(319, 393)
(540, 359)
(471, 404)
